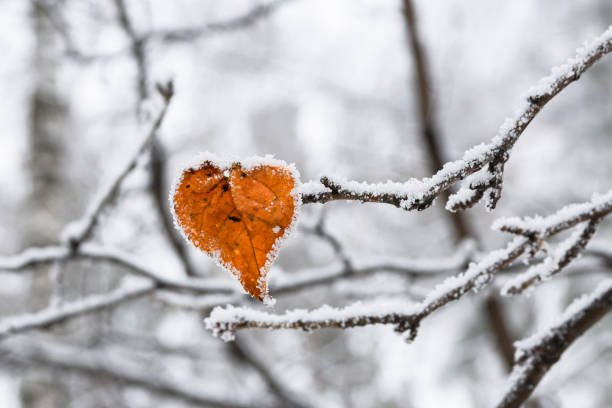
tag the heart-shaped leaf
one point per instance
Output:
(238, 212)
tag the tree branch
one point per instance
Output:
(77, 232)
(406, 319)
(91, 363)
(91, 304)
(567, 251)
(537, 228)
(537, 354)
(242, 21)
(276, 385)
(38, 256)
(430, 134)
(485, 161)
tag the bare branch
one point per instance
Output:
(417, 194)
(91, 304)
(537, 228)
(38, 256)
(245, 20)
(363, 267)
(320, 231)
(91, 363)
(537, 354)
(405, 317)
(567, 251)
(79, 231)
(278, 387)
(430, 134)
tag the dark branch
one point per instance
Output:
(536, 355)
(430, 134)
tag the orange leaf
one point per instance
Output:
(239, 213)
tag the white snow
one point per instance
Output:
(33, 256)
(221, 320)
(573, 311)
(566, 216)
(474, 159)
(545, 269)
(313, 188)
(572, 66)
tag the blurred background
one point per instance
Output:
(329, 85)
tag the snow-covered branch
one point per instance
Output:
(224, 290)
(406, 317)
(78, 231)
(537, 228)
(37, 256)
(95, 364)
(537, 354)
(482, 166)
(565, 253)
(320, 231)
(129, 290)
(224, 322)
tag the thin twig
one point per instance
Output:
(158, 155)
(248, 19)
(225, 322)
(430, 134)
(536, 355)
(137, 49)
(92, 364)
(79, 231)
(90, 304)
(246, 353)
(320, 231)
(405, 318)
(39, 256)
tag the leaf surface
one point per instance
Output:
(239, 214)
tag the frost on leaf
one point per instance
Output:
(238, 212)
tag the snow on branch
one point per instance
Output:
(37, 256)
(565, 253)
(537, 354)
(129, 289)
(281, 284)
(81, 361)
(406, 317)
(482, 166)
(78, 231)
(537, 228)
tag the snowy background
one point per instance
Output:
(327, 85)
